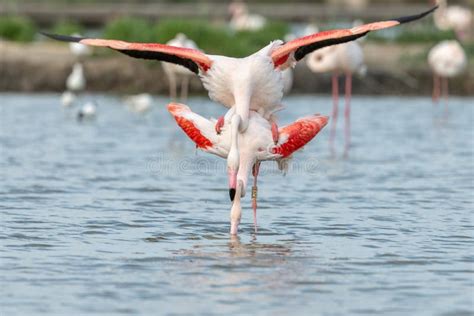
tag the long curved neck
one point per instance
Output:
(242, 96)
(233, 157)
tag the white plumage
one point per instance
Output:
(139, 103)
(76, 80)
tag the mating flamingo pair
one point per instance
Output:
(252, 87)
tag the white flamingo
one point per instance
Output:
(79, 50)
(255, 145)
(68, 98)
(251, 83)
(87, 111)
(76, 81)
(447, 60)
(453, 17)
(176, 72)
(139, 103)
(345, 58)
(242, 20)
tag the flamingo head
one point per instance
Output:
(236, 211)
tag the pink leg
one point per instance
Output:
(275, 133)
(436, 88)
(219, 124)
(445, 92)
(335, 101)
(347, 113)
(255, 170)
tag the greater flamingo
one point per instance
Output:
(139, 103)
(447, 60)
(453, 17)
(76, 80)
(345, 58)
(176, 72)
(242, 20)
(87, 111)
(251, 83)
(254, 146)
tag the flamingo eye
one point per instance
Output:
(319, 57)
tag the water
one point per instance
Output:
(121, 216)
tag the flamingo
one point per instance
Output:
(79, 50)
(176, 71)
(256, 145)
(76, 81)
(251, 83)
(68, 98)
(346, 58)
(453, 17)
(87, 111)
(243, 21)
(139, 103)
(447, 60)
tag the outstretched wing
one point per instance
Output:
(294, 136)
(296, 49)
(192, 59)
(199, 129)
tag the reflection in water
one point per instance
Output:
(97, 219)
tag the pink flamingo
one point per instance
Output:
(447, 60)
(251, 83)
(344, 58)
(246, 150)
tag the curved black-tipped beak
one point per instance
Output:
(232, 194)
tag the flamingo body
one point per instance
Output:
(447, 59)
(76, 80)
(139, 103)
(255, 144)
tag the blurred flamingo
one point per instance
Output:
(177, 73)
(453, 17)
(242, 20)
(447, 60)
(345, 58)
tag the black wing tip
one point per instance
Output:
(407, 19)
(63, 38)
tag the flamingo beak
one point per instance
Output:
(232, 183)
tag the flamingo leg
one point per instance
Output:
(347, 113)
(335, 101)
(255, 170)
(445, 92)
(184, 88)
(436, 88)
(275, 133)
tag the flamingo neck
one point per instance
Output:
(234, 156)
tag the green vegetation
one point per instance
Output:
(426, 33)
(213, 39)
(17, 29)
(67, 28)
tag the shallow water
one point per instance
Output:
(122, 216)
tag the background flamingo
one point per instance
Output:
(179, 75)
(347, 59)
(453, 17)
(447, 60)
(250, 148)
(242, 20)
